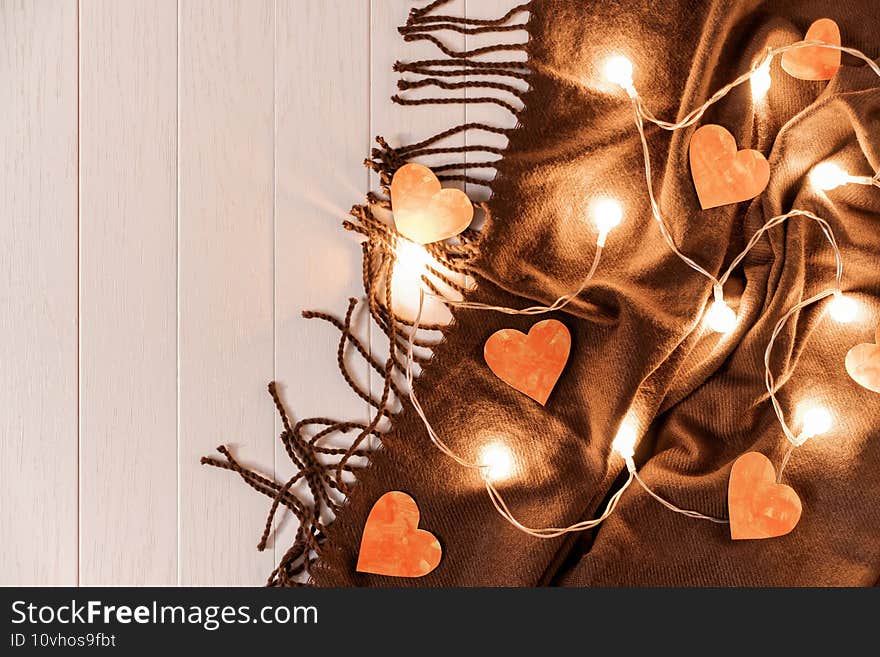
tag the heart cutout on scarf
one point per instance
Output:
(424, 212)
(530, 363)
(722, 174)
(392, 543)
(758, 506)
(863, 364)
(814, 62)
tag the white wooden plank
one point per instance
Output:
(322, 137)
(38, 294)
(128, 285)
(225, 282)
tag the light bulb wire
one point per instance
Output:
(769, 378)
(778, 220)
(655, 207)
(669, 505)
(696, 114)
(784, 463)
(559, 304)
(417, 406)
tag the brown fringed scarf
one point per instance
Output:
(636, 339)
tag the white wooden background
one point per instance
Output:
(175, 174)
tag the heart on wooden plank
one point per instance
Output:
(392, 543)
(530, 363)
(758, 506)
(722, 174)
(863, 364)
(815, 62)
(424, 212)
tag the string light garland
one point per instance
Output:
(496, 461)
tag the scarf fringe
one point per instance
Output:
(419, 27)
(328, 474)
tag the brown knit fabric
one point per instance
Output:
(635, 330)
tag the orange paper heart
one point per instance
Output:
(757, 505)
(392, 543)
(423, 211)
(863, 364)
(815, 62)
(723, 175)
(530, 363)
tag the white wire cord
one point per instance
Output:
(554, 532)
(560, 303)
(778, 220)
(695, 115)
(655, 207)
(669, 505)
(769, 379)
(784, 463)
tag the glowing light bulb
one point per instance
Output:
(828, 175)
(627, 435)
(720, 317)
(843, 309)
(607, 214)
(815, 420)
(497, 461)
(760, 81)
(411, 260)
(619, 70)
